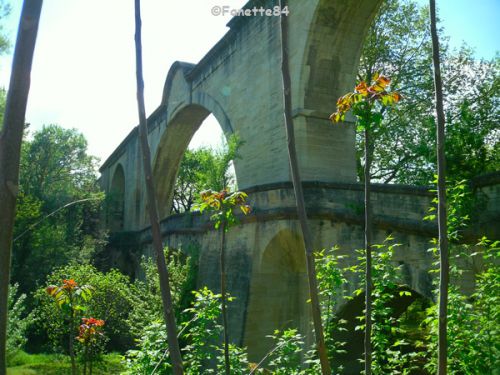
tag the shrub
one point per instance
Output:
(17, 322)
(112, 301)
(151, 355)
(147, 304)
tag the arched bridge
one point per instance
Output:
(239, 82)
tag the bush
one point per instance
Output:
(112, 300)
(126, 307)
(17, 322)
(147, 303)
(151, 355)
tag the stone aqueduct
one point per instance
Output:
(239, 82)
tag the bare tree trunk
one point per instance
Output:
(11, 136)
(299, 196)
(368, 249)
(444, 272)
(223, 298)
(168, 311)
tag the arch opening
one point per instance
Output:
(187, 156)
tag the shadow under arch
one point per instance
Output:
(278, 293)
(354, 339)
(116, 200)
(175, 140)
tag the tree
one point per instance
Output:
(169, 316)
(57, 206)
(367, 103)
(70, 297)
(222, 204)
(399, 44)
(444, 266)
(299, 195)
(204, 169)
(10, 146)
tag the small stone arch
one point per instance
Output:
(116, 200)
(278, 293)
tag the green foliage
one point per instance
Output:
(55, 171)
(151, 352)
(4, 48)
(473, 340)
(237, 358)
(331, 280)
(203, 331)
(112, 300)
(5, 9)
(17, 322)
(222, 205)
(399, 44)
(394, 342)
(205, 169)
(286, 359)
(459, 209)
(147, 305)
(70, 297)
(396, 335)
(368, 102)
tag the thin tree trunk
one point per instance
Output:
(11, 136)
(442, 214)
(168, 311)
(299, 196)
(223, 298)
(368, 249)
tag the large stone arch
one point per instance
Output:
(326, 39)
(278, 293)
(181, 126)
(116, 200)
(330, 54)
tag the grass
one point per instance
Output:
(53, 364)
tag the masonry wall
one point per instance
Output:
(266, 265)
(239, 81)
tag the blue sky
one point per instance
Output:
(84, 70)
(475, 22)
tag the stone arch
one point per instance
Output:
(278, 293)
(326, 39)
(116, 196)
(181, 127)
(330, 56)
